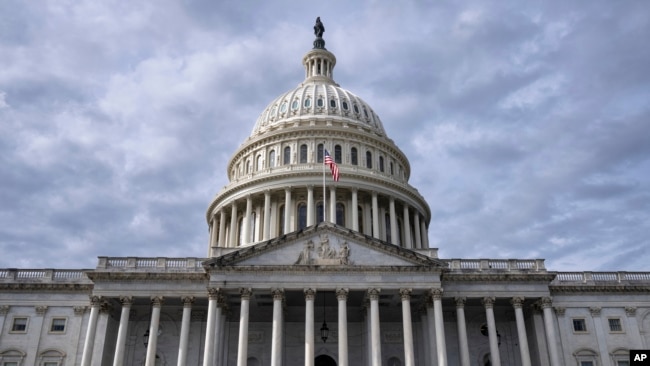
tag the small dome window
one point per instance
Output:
(320, 102)
(345, 105)
(356, 108)
(307, 103)
(332, 103)
(365, 112)
(294, 104)
(283, 107)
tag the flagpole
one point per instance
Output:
(324, 191)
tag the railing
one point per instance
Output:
(496, 264)
(190, 264)
(601, 277)
(40, 275)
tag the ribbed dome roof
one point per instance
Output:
(318, 97)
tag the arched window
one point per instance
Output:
(272, 159)
(303, 154)
(388, 228)
(340, 214)
(319, 212)
(248, 166)
(302, 216)
(353, 156)
(253, 224)
(360, 218)
(320, 102)
(399, 231)
(381, 164)
(307, 103)
(391, 168)
(281, 221)
(368, 160)
(337, 154)
(319, 158)
(240, 231)
(259, 163)
(287, 156)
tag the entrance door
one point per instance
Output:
(324, 360)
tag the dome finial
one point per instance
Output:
(319, 42)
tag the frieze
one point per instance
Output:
(325, 254)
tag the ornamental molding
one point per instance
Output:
(494, 275)
(55, 287)
(596, 289)
(138, 275)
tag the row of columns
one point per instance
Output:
(372, 216)
(434, 316)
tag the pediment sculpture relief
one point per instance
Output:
(325, 254)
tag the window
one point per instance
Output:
(579, 325)
(281, 221)
(294, 104)
(319, 212)
(332, 103)
(303, 154)
(356, 109)
(319, 102)
(302, 216)
(368, 160)
(340, 214)
(272, 159)
(19, 325)
(360, 218)
(622, 363)
(381, 164)
(259, 163)
(615, 325)
(248, 167)
(10, 363)
(319, 158)
(353, 156)
(287, 156)
(337, 154)
(58, 325)
(586, 357)
(345, 105)
(307, 103)
(388, 228)
(391, 168)
(586, 363)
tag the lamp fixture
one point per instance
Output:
(324, 330)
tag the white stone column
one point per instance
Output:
(488, 302)
(426, 345)
(185, 329)
(517, 303)
(233, 225)
(266, 235)
(375, 333)
(215, 231)
(222, 228)
(549, 327)
(342, 297)
(246, 224)
(122, 331)
(633, 327)
(89, 342)
(417, 231)
(601, 338)
(463, 346)
(208, 349)
(394, 233)
(408, 243)
(375, 216)
(407, 325)
(355, 210)
(332, 205)
(242, 350)
(432, 336)
(441, 347)
(287, 210)
(310, 294)
(156, 304)
(311, 210)
(4, 310)
(276, 336)
(425, 234)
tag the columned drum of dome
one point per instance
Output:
(276, 176)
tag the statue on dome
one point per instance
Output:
(319, 28)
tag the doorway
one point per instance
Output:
(324, 360)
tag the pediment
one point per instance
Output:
(324, 245)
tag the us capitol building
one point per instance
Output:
(306, 271)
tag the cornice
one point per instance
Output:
(147, 276)
(619, 288)
(317, 269)
(486, 276)
(58, 287)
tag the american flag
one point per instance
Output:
(333, 167)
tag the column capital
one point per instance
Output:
(4, 309)
(187, 301)
(373, 293)
(405, 293)
(213, 293)
(157, 301)
(436, 293)
(342, 293)
(595, 311)
(630, 310)
(517, 302)
(79, 310)
(460, 301)
(126, 300)
(488, 302)
(560, 311)
(40, 309)
(96, 300)
(545, 302)
(278, 293)
(310, 293)
(245, 293)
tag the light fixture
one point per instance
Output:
(324, 330)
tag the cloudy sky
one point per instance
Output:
(527, 123)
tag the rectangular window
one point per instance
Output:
(58, 325)
(9, 363)
(615, 325)
(622, 363)
(579, 325)
(19, 325)
(50, 364)
(586, 363)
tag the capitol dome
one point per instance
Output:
(277, 179)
